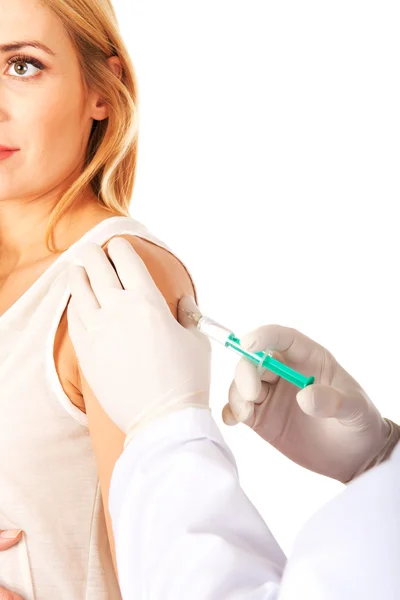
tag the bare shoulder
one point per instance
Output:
(168, 272)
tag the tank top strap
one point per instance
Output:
(103, 231)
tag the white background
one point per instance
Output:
(269, 162)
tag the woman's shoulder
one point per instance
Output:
(172, 279)
(168, 271)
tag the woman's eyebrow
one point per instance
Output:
(13, 46)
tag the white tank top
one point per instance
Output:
(49, 485)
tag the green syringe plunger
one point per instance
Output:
(267, 361)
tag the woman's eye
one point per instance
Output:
(19, 65)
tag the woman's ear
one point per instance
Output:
(115, 64)
(100, 110)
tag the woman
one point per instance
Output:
(68, 108)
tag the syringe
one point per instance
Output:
(225, 336)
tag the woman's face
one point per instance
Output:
(43, 109)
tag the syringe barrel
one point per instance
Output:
(225, 336)
(214, 330)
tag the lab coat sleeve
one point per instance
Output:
(350, 548)
(182, 524)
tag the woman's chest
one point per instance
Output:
(12, 290)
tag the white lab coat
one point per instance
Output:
(185, 530)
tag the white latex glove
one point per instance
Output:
(139, 361)
(330, 427)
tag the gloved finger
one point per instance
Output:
(244, 391)
(238, 410)
(248, 379)
(100, 272)
(242, 410)
(328, 402)
(295, 346)
(85, 301)
(76, 328)
(227, 416)
(130, 267)
(135, 275)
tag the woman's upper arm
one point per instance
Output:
(173, 281)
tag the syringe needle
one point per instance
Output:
(226, 337)
(189, 313)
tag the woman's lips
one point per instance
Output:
(6, 153)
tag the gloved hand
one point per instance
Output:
(139, 361)
(330, 427)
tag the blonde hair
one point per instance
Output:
(111, 155)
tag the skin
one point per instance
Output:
(4, 545)
(6, 595)
(33, 105)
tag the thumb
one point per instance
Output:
(228, 417)
(9, 538)
(325, 401)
